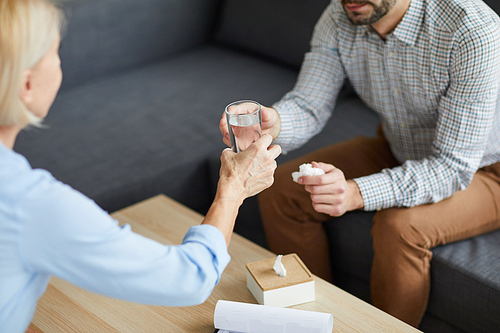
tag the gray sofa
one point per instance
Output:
(145, 83)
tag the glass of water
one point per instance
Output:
(244, 122)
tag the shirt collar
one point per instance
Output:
(408, 29)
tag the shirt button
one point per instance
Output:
(390, 54)
(403, 125)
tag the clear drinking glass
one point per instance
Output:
(244, 122)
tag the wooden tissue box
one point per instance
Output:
(270, 289)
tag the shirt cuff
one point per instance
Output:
(285, 138)
(376, 191)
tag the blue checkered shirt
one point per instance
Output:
(434, 82)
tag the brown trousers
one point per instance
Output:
(402, 237)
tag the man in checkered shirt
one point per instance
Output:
(431, 71)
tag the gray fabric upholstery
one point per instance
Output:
(466, 283)
(279, 29)
(109, 35)
(494, 4)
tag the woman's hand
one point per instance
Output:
(271, 124)
(331, 193)
(242, 175)
(249, 172)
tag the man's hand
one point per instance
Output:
(331, 193)
(271, 124)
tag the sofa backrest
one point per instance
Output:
(108, 35)
(278, 29)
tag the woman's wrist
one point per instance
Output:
(229, 190)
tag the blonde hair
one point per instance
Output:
(27, 30)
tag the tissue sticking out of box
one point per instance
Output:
(268, 288)
(307, 169)
(278, 267)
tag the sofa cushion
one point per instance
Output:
(465, 283)
(108, 35)
(282, 31)
(351, 244)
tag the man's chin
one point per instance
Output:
(359, 19)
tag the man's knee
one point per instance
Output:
(274, 197)
(284, 193)
(398, 226)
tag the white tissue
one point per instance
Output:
(307, 169)
(278, 267)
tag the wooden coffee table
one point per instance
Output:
(67, 308)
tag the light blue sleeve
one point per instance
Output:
(69, 236)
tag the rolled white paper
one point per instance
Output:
(254, 318)
(278, 267)
(307, 169)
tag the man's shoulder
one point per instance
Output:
(334, 20)
(458, 16)
(337, 13)
(336, 6)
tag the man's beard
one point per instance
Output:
(378, 11)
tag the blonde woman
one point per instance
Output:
(47, 228)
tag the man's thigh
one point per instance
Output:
(357, 157)
(467, 213)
